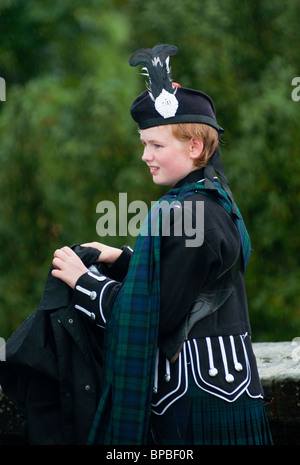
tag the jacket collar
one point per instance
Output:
(192, 177)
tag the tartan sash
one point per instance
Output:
(219, 194)
(123, 412)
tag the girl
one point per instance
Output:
(179, 362)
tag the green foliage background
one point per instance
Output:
(67, 140)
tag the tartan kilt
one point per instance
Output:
(200, 418)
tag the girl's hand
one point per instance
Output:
(68, 266)
(108, 254)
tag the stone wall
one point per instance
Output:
(279, 369)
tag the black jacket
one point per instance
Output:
(184, 273)
(53, 366)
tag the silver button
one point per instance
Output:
(70, 320)
(93, 295)
(238, 366)
(213, 372)
(229, 378)
(87, 387)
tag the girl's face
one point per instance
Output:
(168, 159)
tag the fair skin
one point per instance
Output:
(169, 160)
(69, 267)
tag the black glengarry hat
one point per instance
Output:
(165, 102)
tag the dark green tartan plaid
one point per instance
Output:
(123, 412)
(222, 198)
(204, 419)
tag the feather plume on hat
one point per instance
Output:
(155, 62)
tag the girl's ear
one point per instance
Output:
(196, 148)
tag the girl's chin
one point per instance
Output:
(161, 182)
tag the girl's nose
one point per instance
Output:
(147, 155)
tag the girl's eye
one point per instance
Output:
(157, 146)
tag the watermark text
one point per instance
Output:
(2, 90)
(296, 91)
(175, 218)
(2, 350)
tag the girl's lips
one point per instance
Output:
(153, 169)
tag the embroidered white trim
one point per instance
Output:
(84, 310)
(178, 384)
(222, 393)
(98, 277)
(212, 369)
(91, 294)
(101, 298)
(168, 371)
(259, 396)
(228, 377)
(237, 365)
(200, 378)
(83, 290)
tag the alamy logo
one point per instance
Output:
(296, 91)
(296, 349)
(2, 90)
(187, 219)
(2, 350)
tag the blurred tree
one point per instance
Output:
(68, 142)
(245, 56)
